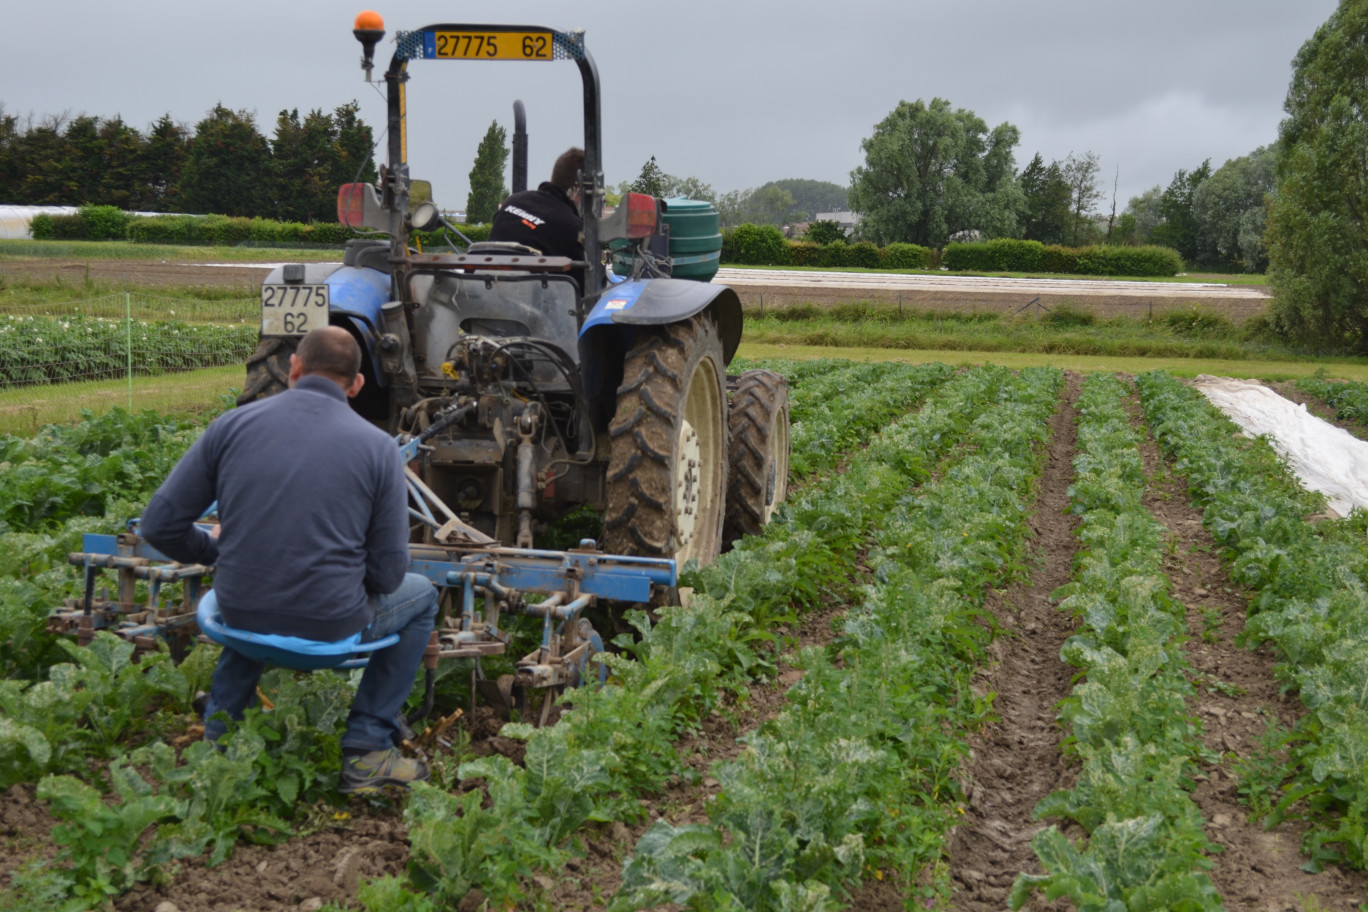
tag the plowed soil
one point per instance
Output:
(137, 273)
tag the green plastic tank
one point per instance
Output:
(695, 242)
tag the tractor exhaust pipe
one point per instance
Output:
(519, 147)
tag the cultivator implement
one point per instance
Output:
(482, 583)
(481, 580)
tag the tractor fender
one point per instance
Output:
(356, 295)
(654, 302)
(609, 331)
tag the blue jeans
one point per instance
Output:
(409, 611)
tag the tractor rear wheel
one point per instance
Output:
(758, 457)
(268, 370)
(667, 472)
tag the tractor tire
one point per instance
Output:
(667, 471)
(268, 370)
(758, 458)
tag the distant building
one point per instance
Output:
(847, 220)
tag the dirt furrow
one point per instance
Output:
(1017, 761)
(1241, 708)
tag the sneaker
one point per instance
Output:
(379, 769)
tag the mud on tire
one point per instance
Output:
(758, 453)
(268, 370)
(667, 471)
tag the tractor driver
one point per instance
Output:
(314, 511)
(548, 218)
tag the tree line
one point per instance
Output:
(224, 166)
(934, 173)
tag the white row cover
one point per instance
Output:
(1326, 458)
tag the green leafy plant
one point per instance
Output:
(1131, 864)
(100, 842)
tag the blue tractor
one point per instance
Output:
(529, 396)
(515, 398)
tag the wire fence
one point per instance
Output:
(129, 350)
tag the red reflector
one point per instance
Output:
(349, 204)
(641, 215)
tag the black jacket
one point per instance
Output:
(545, 220)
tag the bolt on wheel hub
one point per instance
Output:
(687, 487)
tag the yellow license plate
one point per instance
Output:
(489, 46)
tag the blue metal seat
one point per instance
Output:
(285, 651)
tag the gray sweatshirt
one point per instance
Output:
(313, 511)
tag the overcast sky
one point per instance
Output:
(735, 93)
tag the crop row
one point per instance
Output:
(40, 349)
(1310, 585)
(857, 775)
(836, 404)
(1349, 399)
(1128, 717)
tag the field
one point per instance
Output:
(1022, 637)
(865, 706)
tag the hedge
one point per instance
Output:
(763, 245)
(904, 256)
(1006, 255)
(755, 245)
(110, 223)
(97, 223)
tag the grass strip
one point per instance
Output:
(22, 248)
(1349, 368)
(857, 774)
(1310, 585)
(29, 410)
(1128, 716)
(1173, 335)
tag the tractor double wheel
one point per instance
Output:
(667, 471)
(758, 454)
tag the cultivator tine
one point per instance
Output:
(497, 695)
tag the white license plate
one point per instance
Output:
(293, 310)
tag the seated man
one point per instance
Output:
(314, 544)
(548, 218)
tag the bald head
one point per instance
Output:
(330, 351)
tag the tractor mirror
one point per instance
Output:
(359, 206)
(420, 192)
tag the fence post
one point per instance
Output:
(128, 338)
